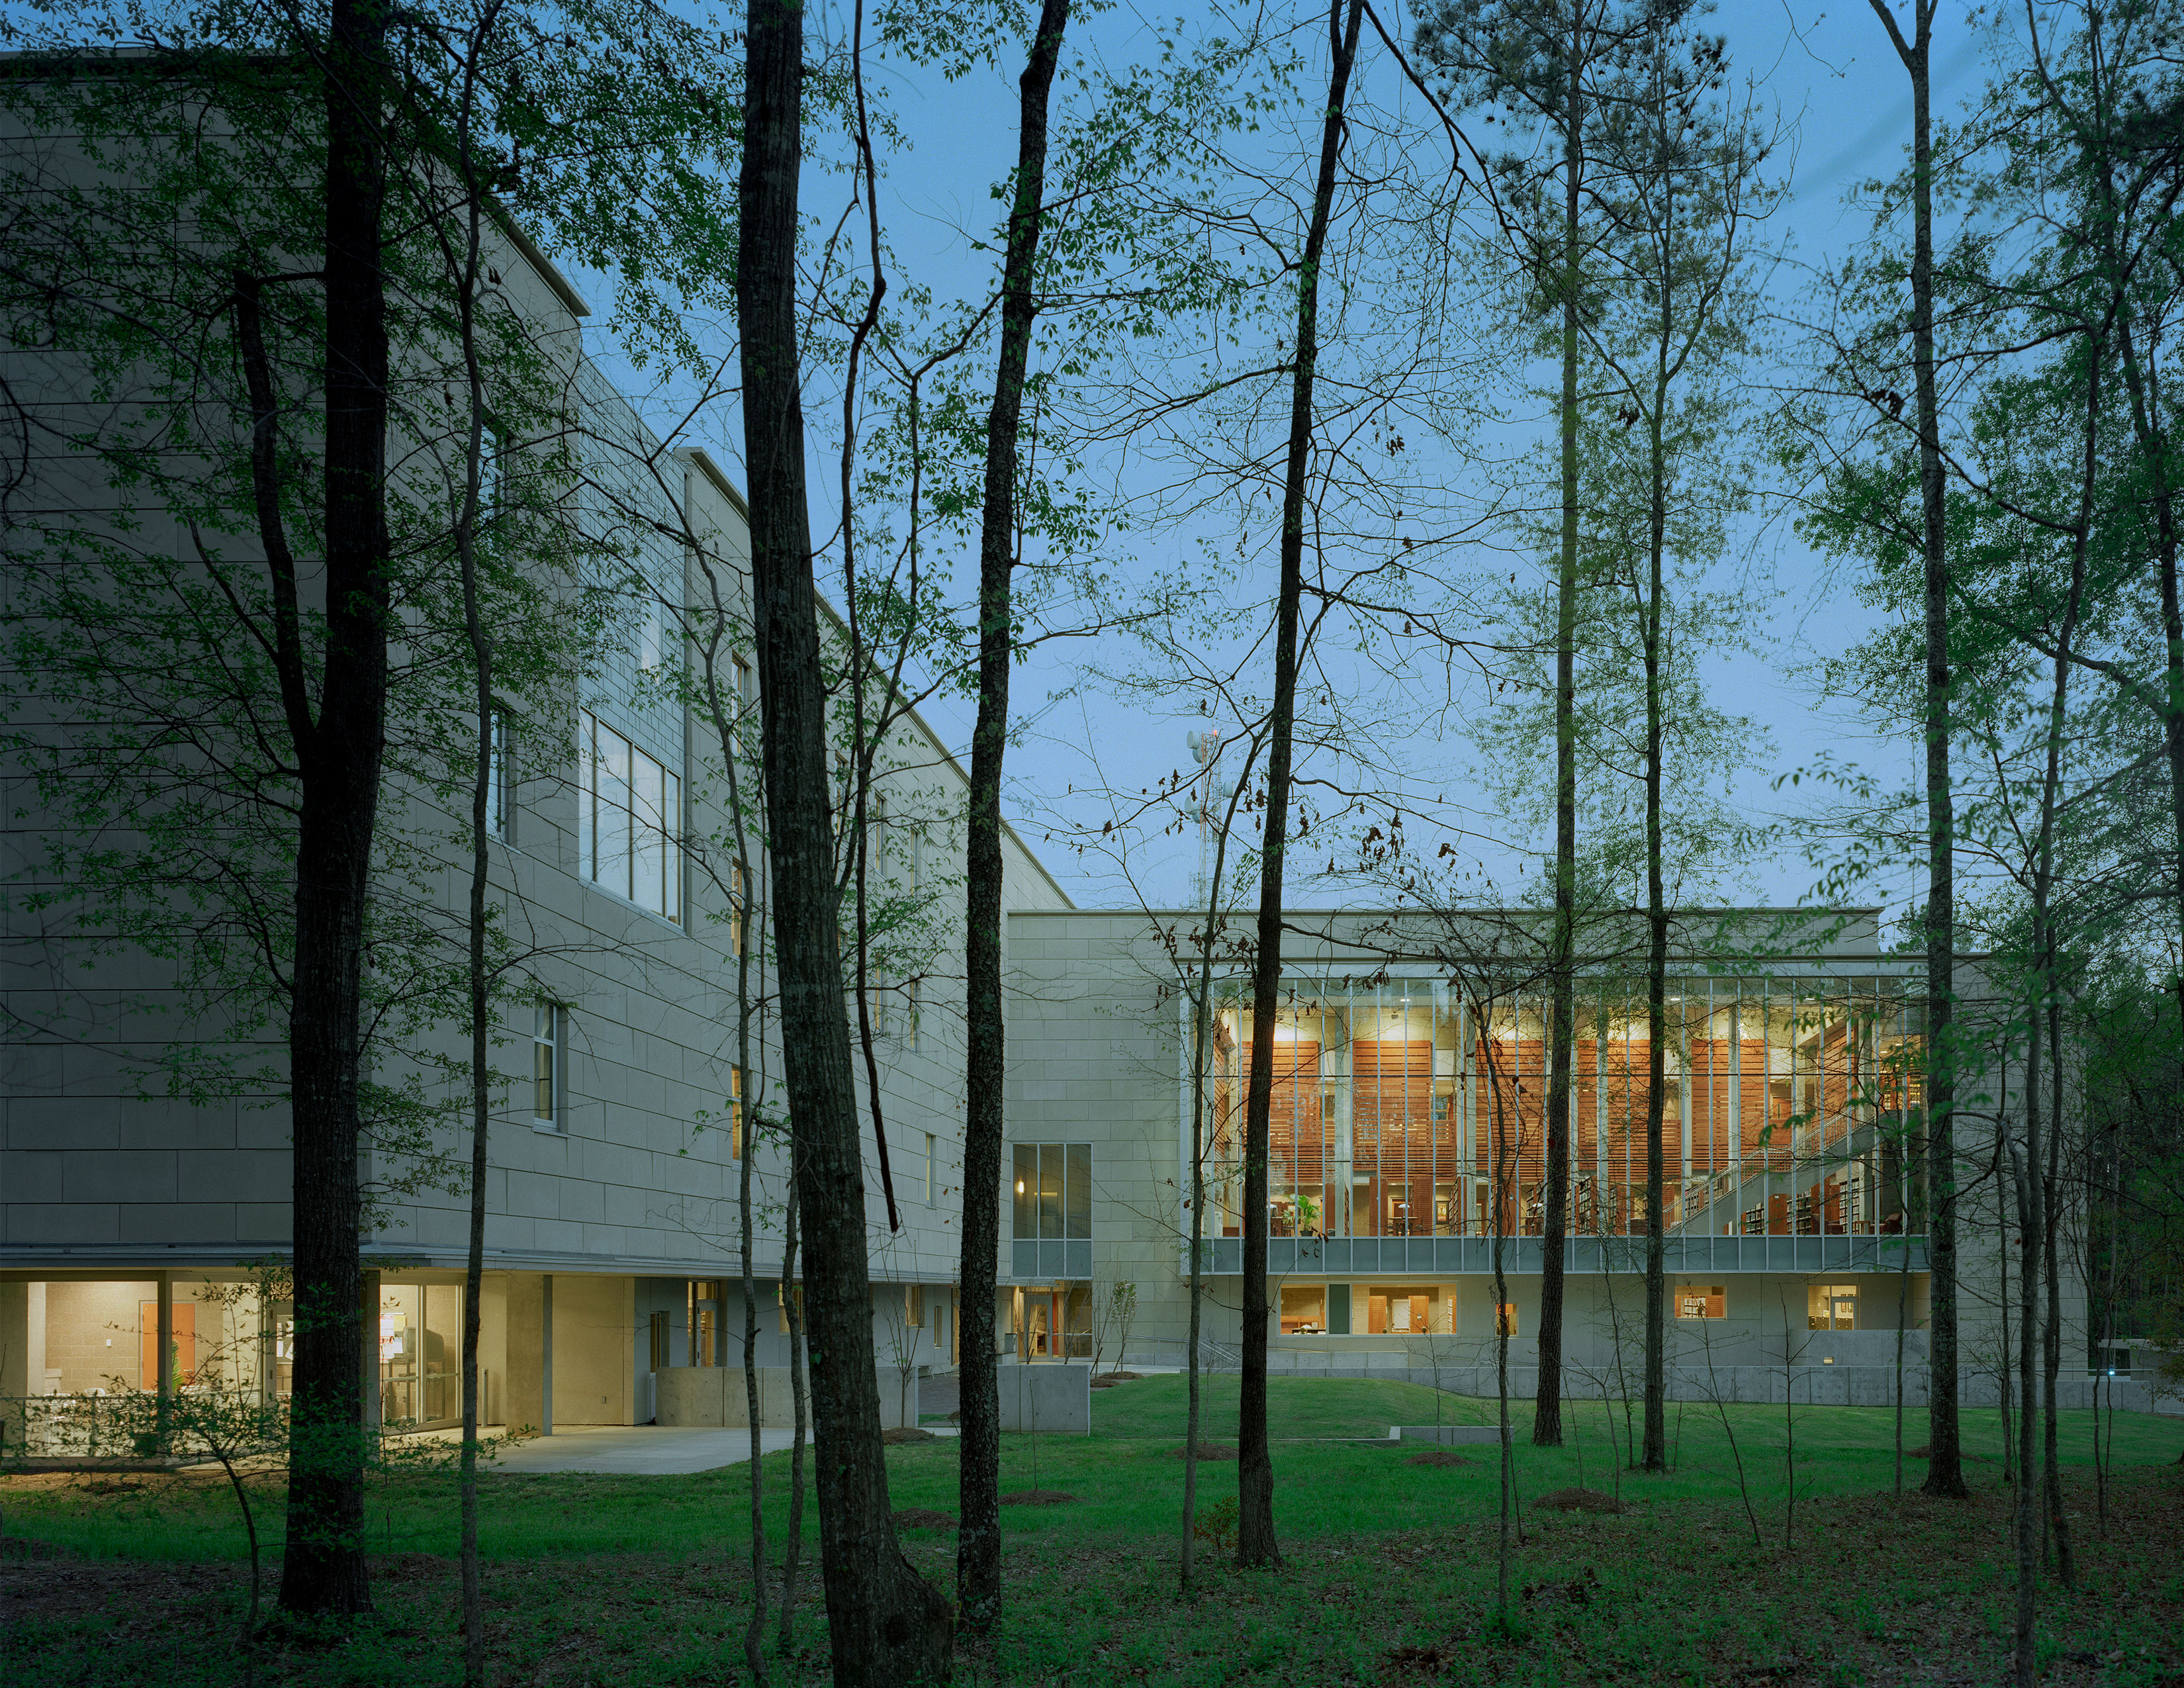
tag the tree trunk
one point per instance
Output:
(339, 756)
(1254, 1471)
(1547, 1404)
(1656, 1457)
(481, 650)
(792, 1308)
(886, 1624)
(1945, 1471)
(978, 1544)
(2051, 1353)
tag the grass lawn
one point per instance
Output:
(612, 1581)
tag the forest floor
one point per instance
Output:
(1389, 1575)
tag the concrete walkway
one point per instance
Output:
(636, 1450)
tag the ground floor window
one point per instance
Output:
(1831, 1306)
(1304, 1311)
(1410, 1310)
(1702, 1300)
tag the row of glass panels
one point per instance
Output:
(1402, 1109)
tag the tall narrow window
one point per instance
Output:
(736, 1113)
(629, 820)
(546, 1038)
(500, 780)
(913, 996)
(932, 1149)
(746, 683)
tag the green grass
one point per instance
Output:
(1389, 1575)
(1297, 1408)
(1126, 1476)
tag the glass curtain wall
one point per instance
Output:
(1405, 1110)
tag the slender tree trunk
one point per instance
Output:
(2027, 1489)
(2051, 1353)
(1657, 950)
(978, 1542)
(1506, 1464)
(1547, 1408)
(746, 1103)
(323, 1570)
(792, 1307)
(1201, 1052)
(1945, 1471)
(886, 1624)
(2045, 1017)
(1902, 1317)
(482, 649)
(1254, 1470)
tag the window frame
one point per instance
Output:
(646, 815)
(1075, 1174)
(549, 1031)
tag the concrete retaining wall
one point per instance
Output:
(715, 1395)
(1053, 1398)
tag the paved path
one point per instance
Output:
(942, 1394)
(642, 1450)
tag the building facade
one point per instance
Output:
(136, 1220)
(1408, 1130)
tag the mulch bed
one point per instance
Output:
(1208, 1450)
(906, 1432)
(1927, 1452)
(1439, 1458)
(1580, 1500)
(922, 1517)
(1115, 1380)
(1037, 1497)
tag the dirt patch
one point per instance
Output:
(28, 1547)
(1037, 1497)
(906, 1432)
(409, 1567)
(1115, 1380)
(922, 1517)
(1208, 1450)
(1415, 1661)
(141, 1596)
(1579, 1501)
(1579, 1590)
(1441, 1459)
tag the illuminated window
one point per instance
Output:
(1304, 1310)
(1053, 1192)
(1702, 1300)
(735, 1113)
(1832, 1306)
(1508, 1320)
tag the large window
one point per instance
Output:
(629, 813)
(1406, 1109)
(1053, 1192)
